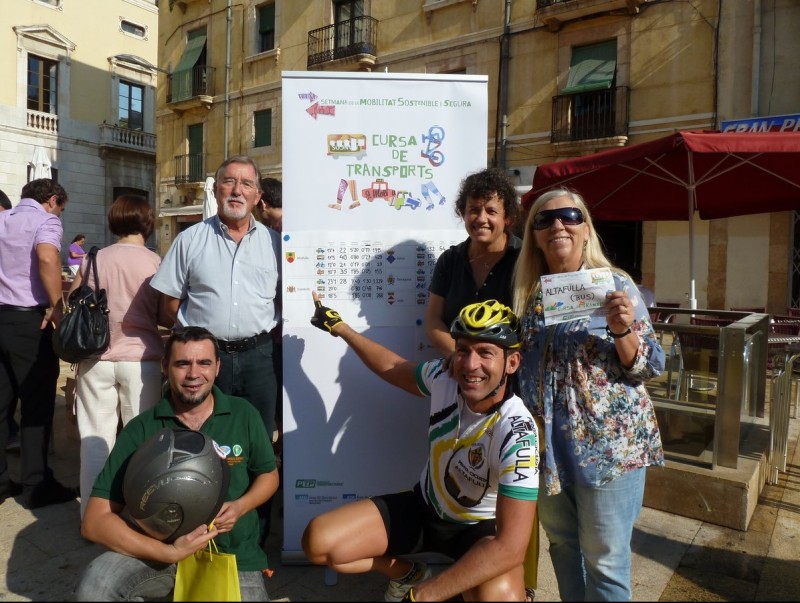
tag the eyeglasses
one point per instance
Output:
(569, 216)
(247, 185)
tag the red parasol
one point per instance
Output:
(717, 174)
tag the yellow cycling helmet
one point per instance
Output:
(488, 321)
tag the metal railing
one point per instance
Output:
(708, 401)
(588, 115)
(342, 40)
(189, 83)
(546, 3)
(780, 412)
(189, 168)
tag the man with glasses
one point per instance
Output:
(30, 308)
(223, 274)
(476, 497)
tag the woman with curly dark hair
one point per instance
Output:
(480, 267)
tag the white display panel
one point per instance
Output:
(371, 167)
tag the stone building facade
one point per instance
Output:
(80, 97)
(566, 78)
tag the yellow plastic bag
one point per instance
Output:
(207, 576)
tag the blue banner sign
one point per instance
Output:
(771, 123)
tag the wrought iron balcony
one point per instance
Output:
(355, 39)
(189, 168)
(554, 13)
(117, 138)
(196, 83)
(590, 115)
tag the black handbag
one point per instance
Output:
(83, 332)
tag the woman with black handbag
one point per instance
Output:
(126, 378)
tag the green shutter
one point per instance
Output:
(182, 76)
(194, 46)
(263, 128)
(592, 67)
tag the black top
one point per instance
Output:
(452, 278)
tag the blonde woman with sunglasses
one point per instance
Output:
(584, 380)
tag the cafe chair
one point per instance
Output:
(663, 316)
(657, 314)
(782, 328)
(699, 358)
(752, 310)
(711, 321)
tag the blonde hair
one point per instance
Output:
(531, 264)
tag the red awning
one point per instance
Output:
(718, 174)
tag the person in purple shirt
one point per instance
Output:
(76, 253)
(30, 309)
(5, 202)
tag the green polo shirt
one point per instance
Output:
(236, 426)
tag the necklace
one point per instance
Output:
(491, 257)
(484, 263)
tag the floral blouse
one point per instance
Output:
(599, 421)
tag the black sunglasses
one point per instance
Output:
(569, 216)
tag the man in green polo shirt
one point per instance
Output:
(137, 565)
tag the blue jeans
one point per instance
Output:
(590, 530)
(251, 375)
(116, 577)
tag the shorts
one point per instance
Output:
(413, 527)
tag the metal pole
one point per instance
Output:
(692, 194)
(227, 81)
(504, 85)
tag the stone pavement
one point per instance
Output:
(675, 558)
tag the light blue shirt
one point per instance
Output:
(229, 289)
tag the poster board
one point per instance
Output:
(372, 163)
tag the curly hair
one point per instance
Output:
(484, 184)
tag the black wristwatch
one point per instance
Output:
(619, 335)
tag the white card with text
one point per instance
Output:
(573, 295)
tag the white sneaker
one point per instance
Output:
(397, 589)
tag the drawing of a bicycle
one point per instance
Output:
(434, 139)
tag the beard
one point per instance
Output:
(234, 212)
(189, 399)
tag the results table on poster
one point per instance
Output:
(362, 277)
